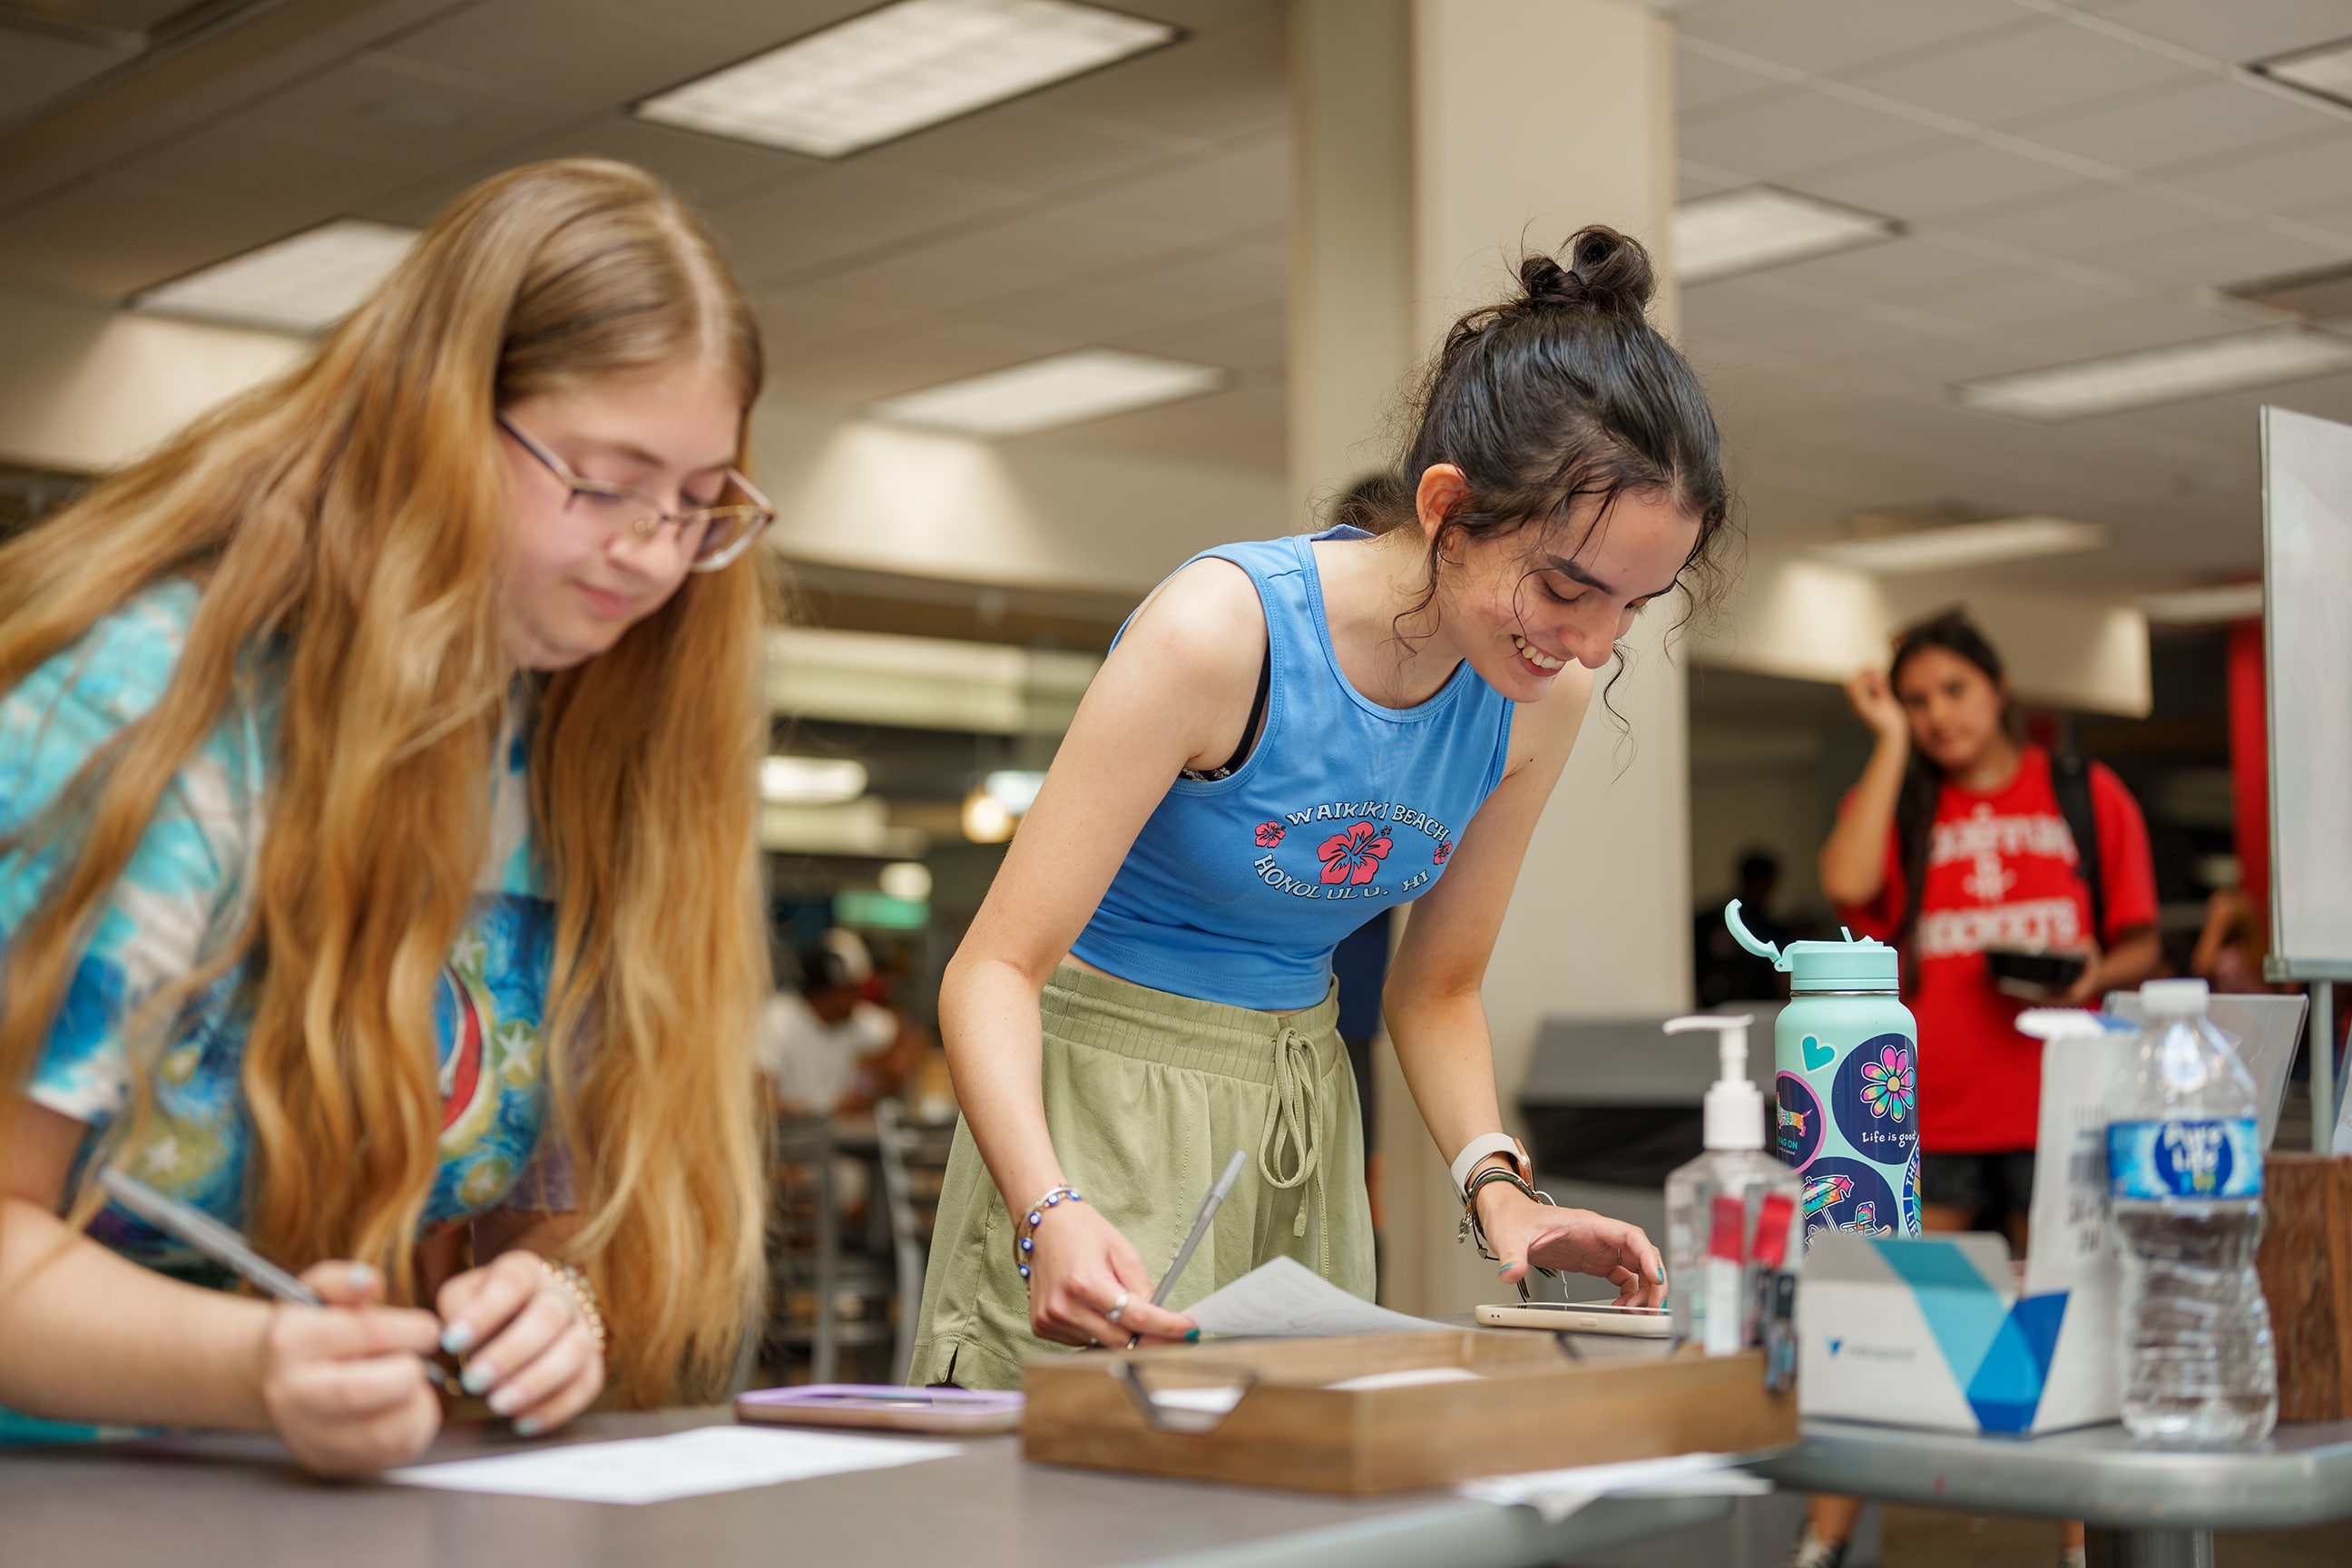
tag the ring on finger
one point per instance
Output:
(1119, 1306)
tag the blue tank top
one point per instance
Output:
(1237, 890)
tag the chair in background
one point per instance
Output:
(914, 1159)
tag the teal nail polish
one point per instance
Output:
(456, 1337)
(1191, 1336)
(1662, 1273)
(478, 1376)
(1506, 1269)
(526, 1427)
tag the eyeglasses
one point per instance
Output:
(714, 534)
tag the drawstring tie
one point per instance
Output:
(1295, 1119)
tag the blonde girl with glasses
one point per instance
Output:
(377, 858)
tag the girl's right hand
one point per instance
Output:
(343, 1383)
(1876, 703)
(1081, 1266)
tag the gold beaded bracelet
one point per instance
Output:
(583, 1297)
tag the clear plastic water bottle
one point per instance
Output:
(2185, 1174)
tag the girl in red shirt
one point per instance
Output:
(1998, 868)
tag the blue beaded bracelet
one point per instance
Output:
(1025, 1237)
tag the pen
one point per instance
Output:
(227, 1248)
(1214, 1201)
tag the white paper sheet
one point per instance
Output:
(1219, 1398)
(1556, 1494)
(683, 1463)
(1285, 1297)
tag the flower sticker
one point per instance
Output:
(1445, 853)
(1353, 857)
(1269, 834)
(1886, 1084)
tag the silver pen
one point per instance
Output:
(1201, 1218)
(227, 1248)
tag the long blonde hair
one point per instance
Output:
(349, 522)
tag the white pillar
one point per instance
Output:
(1526, 118)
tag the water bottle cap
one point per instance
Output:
(2173, 998)
(1868, 964)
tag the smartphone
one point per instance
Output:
(1580, 1318)
(884, 1406)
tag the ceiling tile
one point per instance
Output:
(1947, 175)
(2197, 117)
(1827, 36)
(1794, 131)
(2035, 70)
(2220, 255)
(1026, 146)
(111, 237)
(1703, 84)
(2091, 219)
(841, 215)
(2316, 169)
(1222, 81)
(1227, 192)
(884, 363)
(35, 68)
(1021, 253)
(2237, 30)
(585, 54)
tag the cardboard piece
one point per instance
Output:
(1266, 1412)
(2305, 1263)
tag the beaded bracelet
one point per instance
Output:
(1472, 1226)
(582, 1294)
(1024, 1231)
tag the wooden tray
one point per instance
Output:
(1532, 1407)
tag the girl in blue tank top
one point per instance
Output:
(1289, 737)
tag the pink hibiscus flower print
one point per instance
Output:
(1886, 1084)
(1353, 857)
(1269, 834)
(1445, 853)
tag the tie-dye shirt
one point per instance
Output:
(185, 895)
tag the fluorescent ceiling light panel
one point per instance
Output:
(303, 284)
(1745, 230)
(1086, 383)
(900, 68)
(2324, 71)
(811, 781)
(1955, 546)
(2146, 377)
(2205, 607)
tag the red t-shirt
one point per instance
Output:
(2000, 873)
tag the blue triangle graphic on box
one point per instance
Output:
(1962, 1309)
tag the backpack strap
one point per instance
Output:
(2070, 780)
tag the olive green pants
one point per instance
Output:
(1148, 1095)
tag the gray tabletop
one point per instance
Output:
(200, 1501)
(2301, 1475)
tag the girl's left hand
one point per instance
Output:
(2087, 983)
(526, 1345)
(1526, 1234)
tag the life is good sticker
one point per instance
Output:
(2219, 1157)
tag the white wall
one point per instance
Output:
(893, 499)
(84, 388)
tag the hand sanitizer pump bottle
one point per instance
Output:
(1713, 1203)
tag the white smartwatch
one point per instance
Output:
(1487, 1143)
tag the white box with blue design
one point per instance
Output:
(1943, 1332)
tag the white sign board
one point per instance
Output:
(2307, 629)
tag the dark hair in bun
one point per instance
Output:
(1606, 272)
(1555, 402)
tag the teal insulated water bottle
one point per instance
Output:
(1847, 1051)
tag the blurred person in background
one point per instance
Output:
(1727, 970)
(377, 858)
(826, 1047)
(2231, 948)
(1961, 840)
